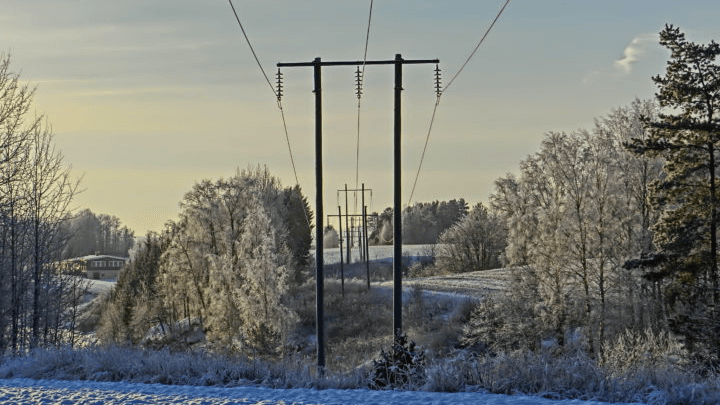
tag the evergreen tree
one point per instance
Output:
(686, 135)
(298, 219)
(135, 304)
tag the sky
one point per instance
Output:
(146, 98)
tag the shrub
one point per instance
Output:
(635, 351)
(402, 367)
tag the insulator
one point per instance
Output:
(438, 87)
(279, 76)
(358, 82)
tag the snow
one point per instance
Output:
(97, 287)
(381, 253)
(25, 391)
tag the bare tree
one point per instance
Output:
(35, 192)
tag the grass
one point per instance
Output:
(550, 374)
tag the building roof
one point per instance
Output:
(98, 257)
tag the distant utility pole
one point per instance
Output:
(317, 64)
(350, 230)
(362, 235)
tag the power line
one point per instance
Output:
(360, 79)
(278, 98)
(440, 93)
(477, 46)
(277, 93)
(253, 50)
(427, 139)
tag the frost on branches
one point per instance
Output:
(228, 263)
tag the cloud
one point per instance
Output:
(637, 48)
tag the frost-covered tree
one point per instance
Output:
(266, 317)
(423, 223)
(637, 172)
(89, 233)
(575, 215)
(229, 261)
(474, 243)
(330, 237)
(135, 302)
(36, 189)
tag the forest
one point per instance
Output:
(608, 235)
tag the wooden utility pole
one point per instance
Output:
(362, 235)
(398, 62)
(350, 229)
(349, 239)
(367, 248)
(342, 269)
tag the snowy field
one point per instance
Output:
(376, 253)
(24, 391)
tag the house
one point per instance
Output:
(99, 267)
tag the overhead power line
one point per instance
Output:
(360, 80)
(477, 46)
(440, 93)
(277, 94)
(267, 79)
(278, 98)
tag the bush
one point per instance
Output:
(402, 367)
(633, 351)
(474, 243)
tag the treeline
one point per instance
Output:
(89, 233)
(575, 214)
(36, 188)
(614, 229)
(226, 267)
(422, 223)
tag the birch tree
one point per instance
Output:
(474, 243)
(36, 189)
(229, 263)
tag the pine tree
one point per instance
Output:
(687, 135)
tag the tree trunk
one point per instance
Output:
(713, 225)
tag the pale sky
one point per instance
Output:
(148, 97)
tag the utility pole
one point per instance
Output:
(349, 239)
(367, 248)
(362, 234)
(350, 228)
(365, 234)
(317, 64)
(397, 203)
(342, 270)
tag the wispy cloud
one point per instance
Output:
(637, 48)
(139, 91)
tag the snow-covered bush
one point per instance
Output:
(547, 373)
(634, 351)
(403, 366)
(473, 243)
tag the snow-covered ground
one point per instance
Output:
(24, 391)
(97, 287)
(382, 253)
